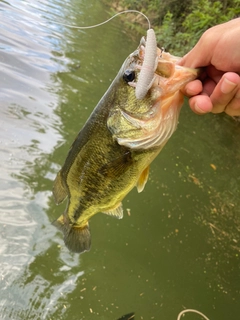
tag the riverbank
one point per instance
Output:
(178, 26)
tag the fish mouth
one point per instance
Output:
(168, 77)
(167, 71)
(163, 72)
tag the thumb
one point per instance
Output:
(199, 56)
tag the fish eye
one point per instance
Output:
(129, 75)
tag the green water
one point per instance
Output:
(179, 247)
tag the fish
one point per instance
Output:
(129, 316)
(123, 135)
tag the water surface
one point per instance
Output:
(179, 246)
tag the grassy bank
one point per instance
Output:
(178, 24)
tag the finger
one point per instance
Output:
(208, 86)
(224, 91)
(199, 56)
(192, 88)
(200, 104)
(193, 59)
(214, 73)
(233, 108)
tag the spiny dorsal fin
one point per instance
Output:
(115, 212)
(143, 179)
(59, 190)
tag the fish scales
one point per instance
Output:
(113, 151)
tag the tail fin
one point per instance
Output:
(77, 239)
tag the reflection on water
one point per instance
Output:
(178, 246)
(29, 133)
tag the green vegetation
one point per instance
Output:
(179, 24)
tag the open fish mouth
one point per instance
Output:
(153, 61)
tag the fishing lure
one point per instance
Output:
(148, 68)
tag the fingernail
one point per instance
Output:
(197, 109)
(227, 86)
(190, 92)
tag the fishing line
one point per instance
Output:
(106, 21)
(191, 310)
(98, 24)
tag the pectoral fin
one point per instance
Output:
(116, 166)
(143, 179)
(116, 212)
(59, 190)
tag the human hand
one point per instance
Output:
(218, 88)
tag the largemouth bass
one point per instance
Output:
(122, 136)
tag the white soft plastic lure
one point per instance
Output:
(148, 68)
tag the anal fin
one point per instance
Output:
(116, 212)
(143, 179)
(59, 223)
